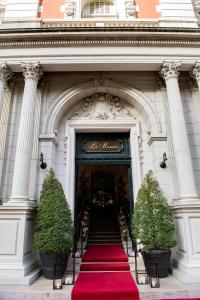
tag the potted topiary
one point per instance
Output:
(153, 226)
(53, 234)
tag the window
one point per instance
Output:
(100, 8)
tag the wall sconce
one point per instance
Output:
(163, 162)
(43, 165)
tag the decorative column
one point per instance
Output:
(187, 187)
(5, 75)
(20, 190)
(196, 75)
(196, 99)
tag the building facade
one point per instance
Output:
(98, 67)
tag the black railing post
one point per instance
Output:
(126, 242)
(81, 235)
(74, 259)
(134, 245)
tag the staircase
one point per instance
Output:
(104, 227)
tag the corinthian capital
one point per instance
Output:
(170, 69)
(32, 70)
(5, 72)
(195, 73)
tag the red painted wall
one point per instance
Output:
(51, 9)
(147, 9)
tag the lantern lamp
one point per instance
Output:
(154, 280)
(57, 280)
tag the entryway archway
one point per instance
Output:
(103, 173)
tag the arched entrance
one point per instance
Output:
(103, 175)
(104, 107)
(107, 118)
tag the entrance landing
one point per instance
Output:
(42, 289)
(107, 285)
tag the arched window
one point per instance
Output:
(99, 9)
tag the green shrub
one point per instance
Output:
(53, 228)
(152, 220)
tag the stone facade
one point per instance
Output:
(135, 80)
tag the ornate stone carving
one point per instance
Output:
(70, 8)
(140, 141)
(170, 69)
(99, 82)
(32, 70)
(130, 8)
(65, 149)
(196, 71)
(5, 73)
(102, 107)
(196, 5)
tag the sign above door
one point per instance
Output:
(103, 145)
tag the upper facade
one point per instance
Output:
(108, 13)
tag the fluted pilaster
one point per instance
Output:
(5, 75)
(170, 72)
(195, 74)
(32, 73)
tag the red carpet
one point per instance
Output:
(105, 253)
(105, 267)
(182, 299)
(109, 280)
(105, 286)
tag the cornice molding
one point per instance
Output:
(49, 138)
(76, 37)
(157, 138)
(22, 43)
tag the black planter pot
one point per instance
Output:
(161, 259)
(50, 260)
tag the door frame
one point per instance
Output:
(88, 126)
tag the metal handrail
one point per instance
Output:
(80, 234)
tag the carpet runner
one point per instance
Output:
(105, 253)
(105, 267)
(105, 275)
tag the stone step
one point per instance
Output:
(104, 232)
(103, 236)
(103, 239)
(103, 242)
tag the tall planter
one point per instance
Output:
(53, 234)
(157, 262)
(49, 261)
(153, 225)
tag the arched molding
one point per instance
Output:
(126, 92)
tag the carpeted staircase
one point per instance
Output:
(104, 272)
(104, 227)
